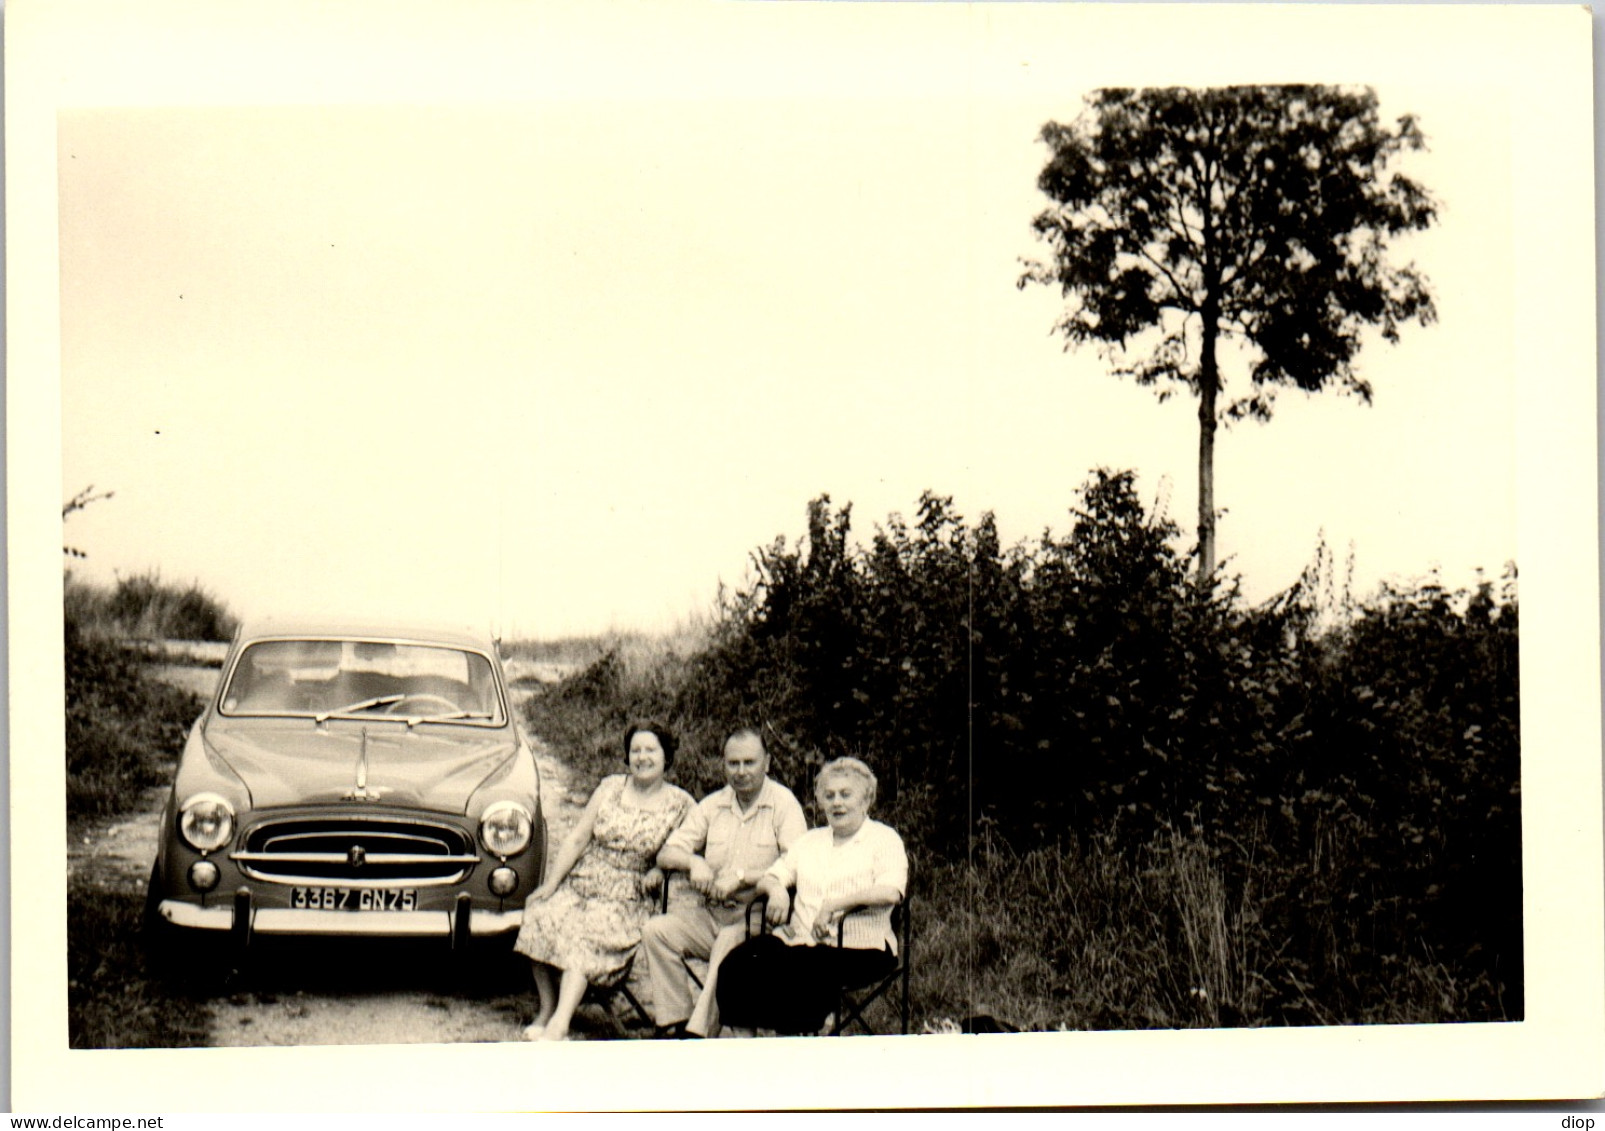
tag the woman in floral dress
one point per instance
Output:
(582, 925)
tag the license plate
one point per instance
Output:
(354, 899)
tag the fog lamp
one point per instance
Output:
(503, 881)
(203, 875)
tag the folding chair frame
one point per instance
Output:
(604, 996)
(852, 1001)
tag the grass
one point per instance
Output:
(1087, 936)
(114, 998)
(615, 680)
(637, 650)
(145, 607)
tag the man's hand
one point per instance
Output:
(700, 874)
(725, 885)
(652, 881)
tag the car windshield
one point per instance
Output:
(332, 678)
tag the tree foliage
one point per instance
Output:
(1258, 214)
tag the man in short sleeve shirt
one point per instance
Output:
(724, 845)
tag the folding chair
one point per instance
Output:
(852, 1001)
(604, 996)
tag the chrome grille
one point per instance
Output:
(356, 851)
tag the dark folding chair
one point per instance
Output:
(605, 996)
(853, 1001)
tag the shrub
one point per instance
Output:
(1296, 813)
(122, 725)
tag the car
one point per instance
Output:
(350, 781)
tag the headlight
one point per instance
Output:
(206, 822)
(505, 828)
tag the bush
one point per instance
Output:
(1307, 812)
(122, 726)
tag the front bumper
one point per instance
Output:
(245, 920)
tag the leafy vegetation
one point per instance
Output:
(1132, 802)
(122, 725)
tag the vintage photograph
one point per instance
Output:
(734, 560)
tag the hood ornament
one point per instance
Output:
(361, 792)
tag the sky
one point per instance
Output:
(562, 365)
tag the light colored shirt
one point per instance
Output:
(724, 836)
(820, 868)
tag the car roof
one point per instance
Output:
(336, 628)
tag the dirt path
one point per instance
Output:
(332, 994)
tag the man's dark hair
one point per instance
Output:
(743, 732)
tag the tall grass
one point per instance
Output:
(123, 727)
(145, 607)
(617, 679)
(638, 650)
(1089, 936)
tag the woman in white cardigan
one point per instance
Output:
(788, 980)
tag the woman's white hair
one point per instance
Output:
(849, 768)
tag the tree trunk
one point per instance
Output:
(1208, 387)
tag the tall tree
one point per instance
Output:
(1183, 218)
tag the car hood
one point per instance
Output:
(298, 763)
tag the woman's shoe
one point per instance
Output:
(534, 1032)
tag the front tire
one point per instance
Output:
(182, 960)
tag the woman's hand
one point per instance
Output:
(652, 881)
(825, 923)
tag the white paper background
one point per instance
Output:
(69, 56)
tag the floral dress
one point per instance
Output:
(592, 922)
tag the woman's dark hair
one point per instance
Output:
(665, 738)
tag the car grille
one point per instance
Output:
(357, 851)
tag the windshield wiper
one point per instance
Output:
(414, 720)
(359, 705)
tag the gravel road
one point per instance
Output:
(334, 993)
